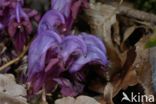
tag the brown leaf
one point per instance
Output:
(128, 32)
(116, 37)
(142, 65)
(132, 36)
(121, 52)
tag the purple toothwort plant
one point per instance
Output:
(96, 52)
(17, 21)
(6, 8)
(19, 27)
(52, 54)
(42, 54)
(52, 21)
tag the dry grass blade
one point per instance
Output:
(14, 60)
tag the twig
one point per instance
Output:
(14, 60)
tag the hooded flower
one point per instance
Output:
(52, 20)
(69, 9)
(19, 27)
(72, 45)
(96, 52)
(63, 6)
(54, 59)
(42, 56)
(49, 54)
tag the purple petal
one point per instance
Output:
(67, 88)
(40, 63)
(19, 13)
(36, 82)
(18, 7)
(51, 21)
(4, 3)
(1, 26)
(95, 53)
(19, 33)
(63, 6)
(38, 49)
(69, 9)
(72, 44)
(93, 40)
(19, 27)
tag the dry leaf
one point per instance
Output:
(123, 56)
(128, 32)
(142, 65)
(132, 36)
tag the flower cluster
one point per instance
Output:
(58, 59)
(17, 21)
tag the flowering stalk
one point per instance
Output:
(52, 54)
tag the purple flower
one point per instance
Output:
(96, 52)
(63, 6)
(19, 27)
(9, 3)
(68, 88)
(93, 40)
(50, 56)
(72, 45)
(52, 20)
(69, 9)
(56, 59)
(42, 56)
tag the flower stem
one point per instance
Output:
(14, 60)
